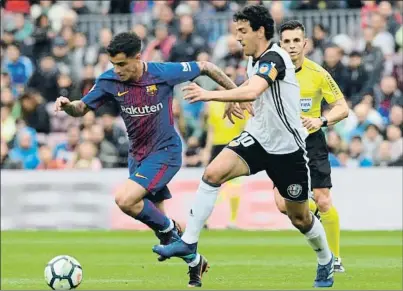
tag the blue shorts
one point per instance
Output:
(155, 172)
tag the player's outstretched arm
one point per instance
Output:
(216, 74)
(73, 108)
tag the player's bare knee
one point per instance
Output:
(301, 221)
(126, 202)
(323, 199)
(212, 175)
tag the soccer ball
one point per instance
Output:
(63, 273)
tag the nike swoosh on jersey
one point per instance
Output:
(140, 176)
(122, 93)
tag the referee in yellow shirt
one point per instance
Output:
(316, 84)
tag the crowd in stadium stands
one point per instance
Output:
(44, 55)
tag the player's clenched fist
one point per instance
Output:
(60, 103)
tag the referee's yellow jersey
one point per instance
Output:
(315, 84)
(223, 130)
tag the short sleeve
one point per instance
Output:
(176, 73)
(97, 96)
(271, 67)
(330, 90)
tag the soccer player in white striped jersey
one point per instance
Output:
(273, 141)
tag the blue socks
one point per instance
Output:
(152, 217)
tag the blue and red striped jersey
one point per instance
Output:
(145, 105)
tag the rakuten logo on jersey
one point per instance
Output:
(142, 111)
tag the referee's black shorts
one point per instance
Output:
(319, 164)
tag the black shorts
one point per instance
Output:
(319, 164)
(289, 172)
(215, 150)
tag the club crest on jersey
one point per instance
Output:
(306, 104)
(152, 90)
(294, 190)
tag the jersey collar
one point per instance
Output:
(258, 58)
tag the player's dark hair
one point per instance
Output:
(257, 15)
(291, 25)
(126, 42)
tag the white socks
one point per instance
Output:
(316, 238)
(201, 210)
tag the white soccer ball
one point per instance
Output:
(63, 273)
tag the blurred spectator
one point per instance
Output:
(220, 49)
(8, 123)
(396, 116)
(25, 149)
(371, 141)
(33, 112)
(67, 34)
(86, 157)
(164, 14)
(21, 27)
(142, 33)
(383, 154)
(312, 53)
(320, 36)
(88, 120)
(105, 37)
(332, 63)
(42, 36)
(60, 50)
(334, 142)
(81, 55)
(80, 7)
(277, 13)
(394, 136)
(55, 12)
(387, 95)
(117, 136)
(46, 160)
(87, 80)
(106, 151)
(393, 19)
(235, 54)
(357, 122)
(159, 49)
(367, 9)
(18, 67)
(357, 156)
(6, 162)
(372, 56)
(66, 87)
(188, 45)
(384, 40)
(44, 79)
(103, 64)
(7, 99)
(357, 81)
(65, 151)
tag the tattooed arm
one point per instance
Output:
(73, 108)
(216, 74)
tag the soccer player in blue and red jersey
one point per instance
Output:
(144, 93)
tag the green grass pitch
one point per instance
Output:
(118, 260)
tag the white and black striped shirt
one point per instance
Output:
(277, 124)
